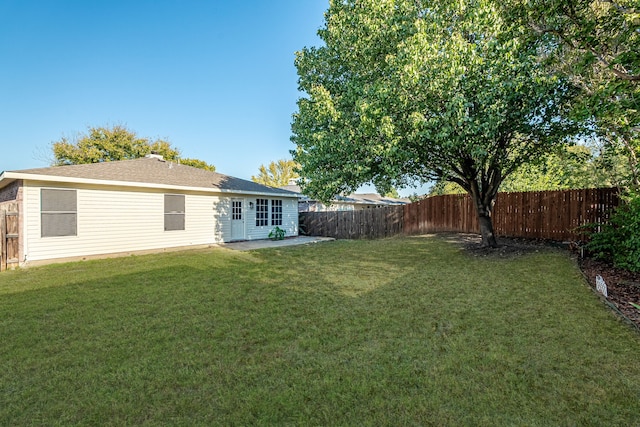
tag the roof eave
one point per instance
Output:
(257, 193)
(132, 184)
(5, 179)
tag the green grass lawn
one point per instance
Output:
(402, 331)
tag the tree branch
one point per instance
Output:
(586, 46)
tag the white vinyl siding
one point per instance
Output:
(222, 212)
(111, 221)
(119, 219)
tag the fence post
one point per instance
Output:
(3, 240)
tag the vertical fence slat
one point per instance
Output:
(3, 241)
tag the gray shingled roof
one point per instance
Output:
(376, 199)
(150, 170)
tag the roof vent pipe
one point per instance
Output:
(154, 155)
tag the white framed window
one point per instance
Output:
(58, 212)
(174, 212)
(236, 210)
(276, 212)
(262, 212)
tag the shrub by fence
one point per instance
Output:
(551, 215)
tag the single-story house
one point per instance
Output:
(138, 205)
(351, 202)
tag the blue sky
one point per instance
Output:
(215, 78)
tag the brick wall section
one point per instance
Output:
(10, 192)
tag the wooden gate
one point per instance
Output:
(9, 239)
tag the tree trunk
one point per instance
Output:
(486, 230)
(484, 209)
(484, 194)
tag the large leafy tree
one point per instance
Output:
(277, 174)
(197, 163)
(576, 166)
(104, 144)
(406, 90)
(596, 44)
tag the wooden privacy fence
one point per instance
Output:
(451, 212)
(9, 235)
(553, 215)
(365, 223)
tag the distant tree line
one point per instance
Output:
(106, 144)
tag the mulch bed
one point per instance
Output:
(623, 287)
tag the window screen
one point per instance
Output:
(58, 213)
(173, 212)
(262, 212)
(276, 212)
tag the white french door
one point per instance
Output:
(237, 219)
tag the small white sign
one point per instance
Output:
(601, 286)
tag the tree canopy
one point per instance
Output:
(277, 174)
(405, 91)
(104, 144)
(595, 44)
(570, 167)
(196, 163)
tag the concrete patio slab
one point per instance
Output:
(249, 245)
